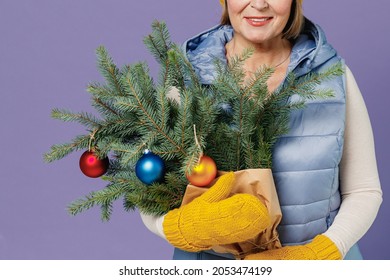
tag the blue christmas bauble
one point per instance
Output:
(150, 168)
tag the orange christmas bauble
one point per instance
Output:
(203, 173)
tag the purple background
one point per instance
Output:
(47, 57)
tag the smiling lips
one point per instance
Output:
(258, 21)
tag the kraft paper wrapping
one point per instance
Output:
(260, 183)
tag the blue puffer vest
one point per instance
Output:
(306, 160)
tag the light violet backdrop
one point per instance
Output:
(47, 57)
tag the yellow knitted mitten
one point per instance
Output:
(213, 219)
(321, 248)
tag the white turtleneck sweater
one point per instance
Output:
(360, 187)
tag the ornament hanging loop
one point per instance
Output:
(197, 143)
(91, 137)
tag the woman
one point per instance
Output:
(324, 169)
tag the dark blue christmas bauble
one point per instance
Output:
(150, 168)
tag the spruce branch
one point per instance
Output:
(236, 63)
(59, 151)
(100, 91)
(86, 119)
(182, 72)
(148, 115)
(103, 197)
(109, 70)
(104, 108)
(158, 42)
(237, 121)
(256, 88)
(175, 72)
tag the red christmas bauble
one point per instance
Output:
(203, 173)
(92, 166)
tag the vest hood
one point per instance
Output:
(310, 50)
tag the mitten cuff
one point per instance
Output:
(324, 248)
(174, 235)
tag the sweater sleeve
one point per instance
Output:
(360, 187)
(154, 224)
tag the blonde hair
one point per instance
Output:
(294, 24)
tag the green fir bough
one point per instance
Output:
(236, 122)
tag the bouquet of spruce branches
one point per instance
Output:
(237, 122)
